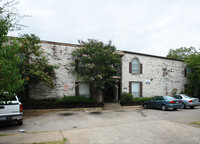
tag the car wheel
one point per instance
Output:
(163, 107)
(174, 109)
(145, 106)
(184, 106)
(19, 122)
(192, 107)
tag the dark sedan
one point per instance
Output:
(163, 103)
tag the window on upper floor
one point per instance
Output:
(135, 67)
(187, 70)
(79, 66)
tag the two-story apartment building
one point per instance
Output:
(141, 75)
(148, 75)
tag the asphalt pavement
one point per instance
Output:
(118, 126)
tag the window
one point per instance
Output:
(135, 67)
(135, 88)
(78, 65)
(187, 71)
(155, 98)
(177, 97)
(160, 98)
(83, 89)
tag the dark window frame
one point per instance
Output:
(140, 87)
(140, 69)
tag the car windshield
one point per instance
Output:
(187, 96)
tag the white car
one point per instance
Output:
(11, 110)
(188, 101)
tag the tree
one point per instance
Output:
(10, 79)
(9, 17)
(192, 59)
(181, 53)
(35, 67)
(193, 62)
(22, 61)
(96, 63)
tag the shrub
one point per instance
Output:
(141, 99)
(75, 99)
(64, 102)
(126, 97)
(39, 102)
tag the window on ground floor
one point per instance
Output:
(135, 88)
(83, 89)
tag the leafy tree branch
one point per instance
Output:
(96, 63)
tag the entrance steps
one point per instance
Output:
(111, 106)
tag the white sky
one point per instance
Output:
(144, 26)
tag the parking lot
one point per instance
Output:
(140, 126)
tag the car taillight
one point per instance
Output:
(190, 101)
(172, 102)
(21, 108)
(181, 101)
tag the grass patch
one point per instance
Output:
(63, 141)
(195, 123)
(37, 132)
(4, 134)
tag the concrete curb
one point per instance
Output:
(40, 111)
(57, 110)
(132, 107)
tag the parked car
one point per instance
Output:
(11, 109)
(163, 102)
(188, 101)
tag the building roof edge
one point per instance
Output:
(59, 43)
(152, 55)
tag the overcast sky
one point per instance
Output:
(144, 26)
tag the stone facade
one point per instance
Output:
(58, 54)
(159, 74)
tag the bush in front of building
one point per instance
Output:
(128, 99)
(141, 99)
(64, 102)
(39, 103)
(75, 100)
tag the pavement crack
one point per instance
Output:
(61, 133)
(142, 113)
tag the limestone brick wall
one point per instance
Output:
(163, 74)
(58, 54)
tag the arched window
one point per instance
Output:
(135, 65)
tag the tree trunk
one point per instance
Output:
(96, 94)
